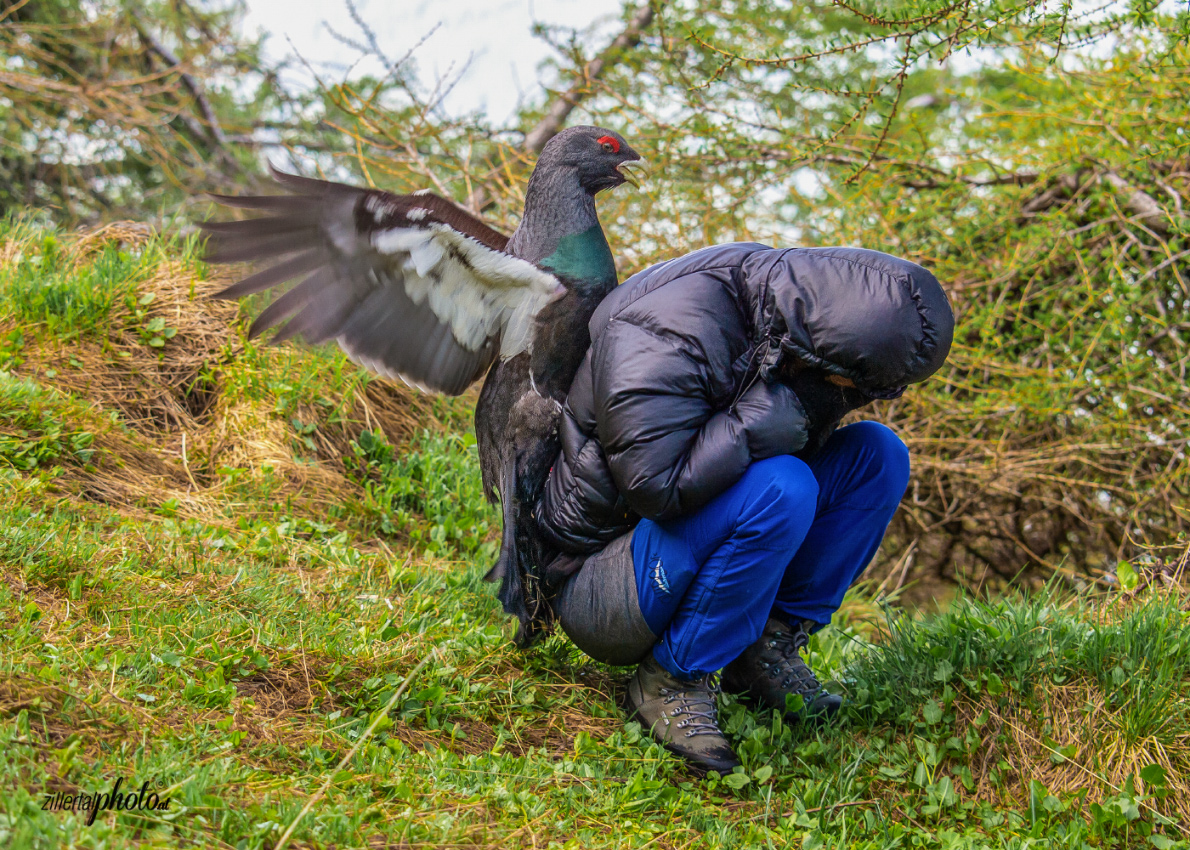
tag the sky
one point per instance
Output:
(504, 56)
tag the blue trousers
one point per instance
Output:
(786, 540)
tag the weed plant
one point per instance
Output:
(436, 479)
(34, 427)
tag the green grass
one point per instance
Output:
(227, 618)
(435, 479)
(1138, 659)
(44, 284)
(184, 654)
(33, 429)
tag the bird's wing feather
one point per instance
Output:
(411, 286)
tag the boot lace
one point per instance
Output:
(787, 645)
(696, 704)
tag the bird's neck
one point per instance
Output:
(584, 256)
(560, 231)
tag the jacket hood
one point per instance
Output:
(879, 320)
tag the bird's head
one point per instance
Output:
(599, 158)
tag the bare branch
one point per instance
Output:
(1140, 203)
(561, 107)
(1015, 178)
(563, 104)
(215, 130)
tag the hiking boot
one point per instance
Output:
(681, 715)
(772, 668)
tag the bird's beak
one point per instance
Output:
(634, 171)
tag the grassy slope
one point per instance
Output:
(219, 563)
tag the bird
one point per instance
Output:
(417, 288)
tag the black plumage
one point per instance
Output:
(416, 287)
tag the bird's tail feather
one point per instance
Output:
(520, 584)
(507, 558)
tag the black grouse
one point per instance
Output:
(416, 287)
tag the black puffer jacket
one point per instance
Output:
(690, 375)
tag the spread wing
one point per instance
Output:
(410, 286)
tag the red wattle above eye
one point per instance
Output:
(608, 140)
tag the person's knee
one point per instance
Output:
(888, 454)
(784, 486)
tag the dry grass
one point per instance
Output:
(1079, 744)
(178, 423)
(1079, 739)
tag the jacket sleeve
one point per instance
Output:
(669, 450)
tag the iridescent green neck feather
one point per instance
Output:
(584, 256)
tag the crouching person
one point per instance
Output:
(702, 468)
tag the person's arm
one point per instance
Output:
(669, 450)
